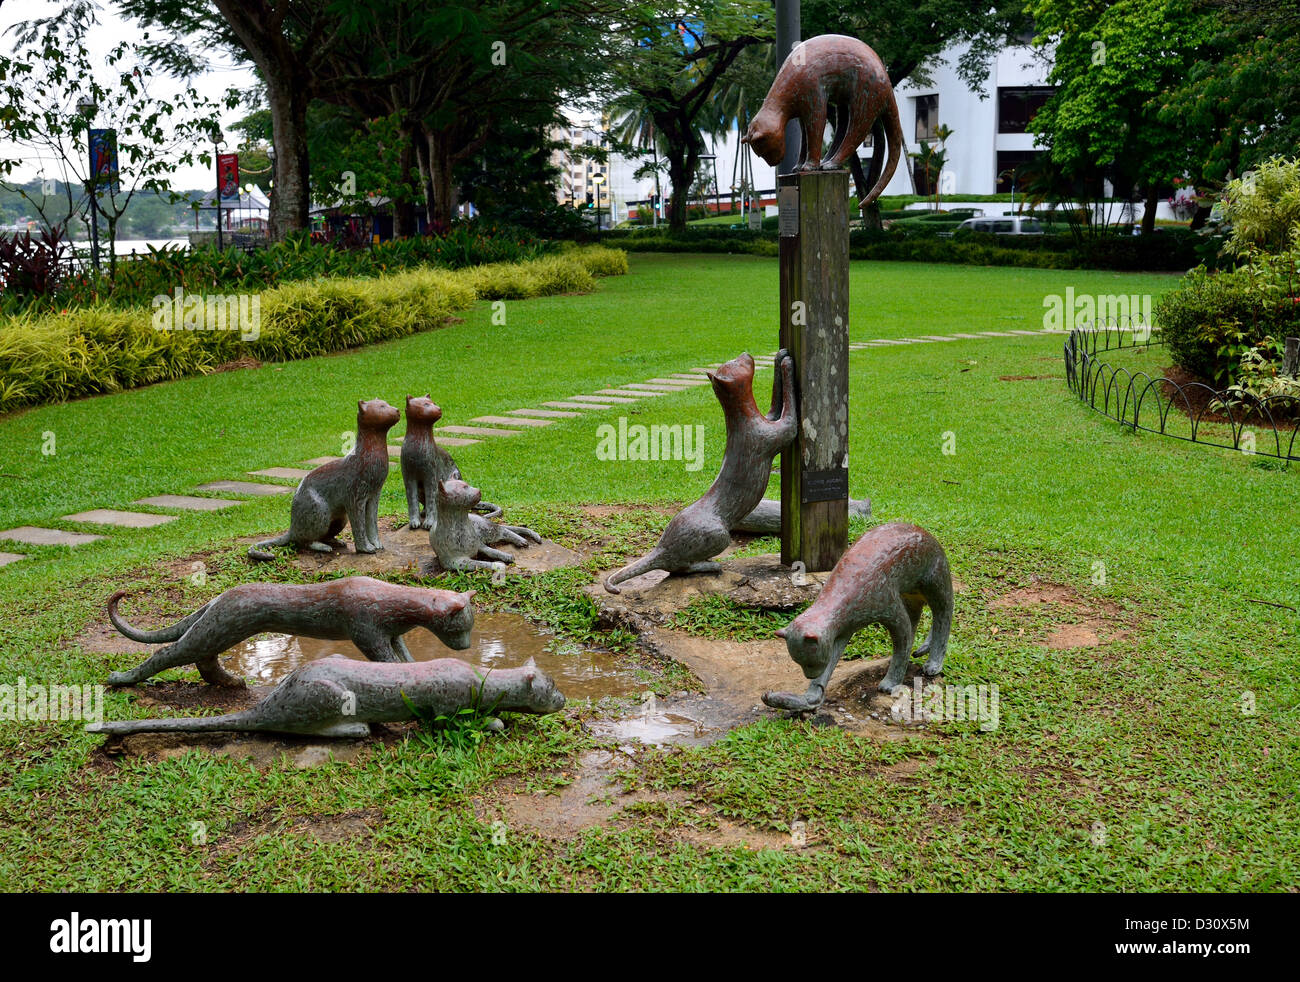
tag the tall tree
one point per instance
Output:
(671, 59)
(1113, 62)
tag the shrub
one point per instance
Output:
(1263, 208)
(1213, 318)
(97, 349)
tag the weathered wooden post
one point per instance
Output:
(814, 293)
(1291, 358)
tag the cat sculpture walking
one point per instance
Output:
(372, 614)
(887, 577)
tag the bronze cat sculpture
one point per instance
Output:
(342, 492)
(339, 697)
(424, 464)
(372, 614)
(887, 577)
(829, 77)
(703, 529)
(460, 537)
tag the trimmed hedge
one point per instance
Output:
(1174, 250)
(99, 349)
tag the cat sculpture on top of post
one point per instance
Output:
(830, 78)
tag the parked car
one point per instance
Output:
(1001, 225)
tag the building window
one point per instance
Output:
(1013, 160)
(927, 117)
(922, 180)
(1017, 107)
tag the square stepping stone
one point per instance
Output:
(245, 487)
(34, 536)
(705, 370)
(966, 335)
(702, 378)
(511, 421)
(126, 519)
(10, 557)
(678, 381)
(473, 431)
(187, 502)
(1027, 332)
(394, 452)
(544, 413)
(916, 340)
(646, 387)
(574, 405)
(995, 334)
(938, 337)
(455, 441)
(603, 398)
(317, 461)
(296, 473)
(625, 393)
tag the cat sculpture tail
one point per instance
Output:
(172, 633)
(651, 560)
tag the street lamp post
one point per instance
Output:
(598, 179)
(88, 108)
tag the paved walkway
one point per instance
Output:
(479, 429)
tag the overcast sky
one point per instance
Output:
(221, 75)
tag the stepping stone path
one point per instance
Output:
(125, 519)
(34, 536)
(296, 473)
(529, 419)
(245, 487)
(187, 502)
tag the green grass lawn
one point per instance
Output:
(1143, 737)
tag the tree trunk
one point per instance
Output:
(290, 203)
(404, 224)
(1201, 217)
(1149, 215)
(436, 173)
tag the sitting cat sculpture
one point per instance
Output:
(370, 613)
(459, 536)
(887, 577)
(339, 697)
(831, 75)
(703, 529)
(342, 492)
(424, 464)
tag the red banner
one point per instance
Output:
(227, 176)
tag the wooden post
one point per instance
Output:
(814, 264)
(1291, 358)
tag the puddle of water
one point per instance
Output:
(499, 640)
(652, 728)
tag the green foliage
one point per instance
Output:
(98, 349)
(1263, 208)
(1259, 375)
(1214, 318)
(462, 730)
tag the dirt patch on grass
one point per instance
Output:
(1082, 622)
(612, 511)
(354, 827)
(595, 797)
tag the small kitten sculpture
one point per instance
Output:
(372, 614)
(340, 697)
(424, 464)
(459, 537)
(887, 577)
(342, 492)
(701, 530)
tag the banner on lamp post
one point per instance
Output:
(103, 159)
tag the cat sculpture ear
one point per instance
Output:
(530, 669)
(780, 632)
(469, 595)
(745, 138)
(361, 404)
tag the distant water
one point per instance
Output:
(126, 247)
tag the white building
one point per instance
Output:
(988, 137)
